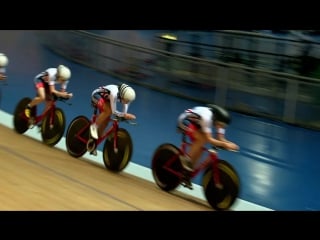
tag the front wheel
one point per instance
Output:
(165, 179)
(20, 123)
(221, 198)
(77, 136)
(117, 161)
(52, 130)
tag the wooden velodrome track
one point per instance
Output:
(37, 177)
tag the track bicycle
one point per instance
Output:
(118, 145)
(220, 181)
(51, 121)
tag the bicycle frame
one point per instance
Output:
(113, 128)
(50, 109)
(212, 159)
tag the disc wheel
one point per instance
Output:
(19, 122)
(76, 142)
(117, 161)
(221, 198)
(165, 179)
(52, 133)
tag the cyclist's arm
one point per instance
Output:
(215, 142)
(61, 94)
(64, 86)
(124, 113)
(206, 124)
(113, 105)
(221, 143)
(125, 108)
(206, 128)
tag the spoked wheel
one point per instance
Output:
(117, 161)
(221, 198)
(77, 136)
(52, 133)
(165, 179)
(19, 122)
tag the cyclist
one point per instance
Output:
(105, 99)
(197, 123)
(45, 86)
(3, 63)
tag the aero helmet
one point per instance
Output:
(3, 60)
(220, 114)
(126, 92)
(64, 72)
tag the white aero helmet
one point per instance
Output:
(3, 60)
(127, 93)
(64, 72)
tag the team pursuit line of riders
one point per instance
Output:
(201, 124)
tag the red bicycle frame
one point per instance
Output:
(113, 128)
(50, 109)
(212, 159)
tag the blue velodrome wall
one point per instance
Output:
(277, 163)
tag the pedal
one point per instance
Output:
(187, 185)
(91, 145)
(31, 123)
(94, 152)
(186, 181)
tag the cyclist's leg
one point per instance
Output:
(103, 126)
(187, 128)
(40, 97)
(198, 139)
(195, 151)
(104, 109)
(103, 119)
(96, 104)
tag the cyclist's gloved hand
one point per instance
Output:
(69, 95)
(129, 116)
(66, 95)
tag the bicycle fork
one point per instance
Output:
(51, 119)
(215, 168)
(115, 139)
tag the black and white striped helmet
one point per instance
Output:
(126, 92)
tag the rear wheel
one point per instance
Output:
(165, 179)
(221, 198)
(77, 136)
(117, 161)
(52, 133)
(20, 122)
